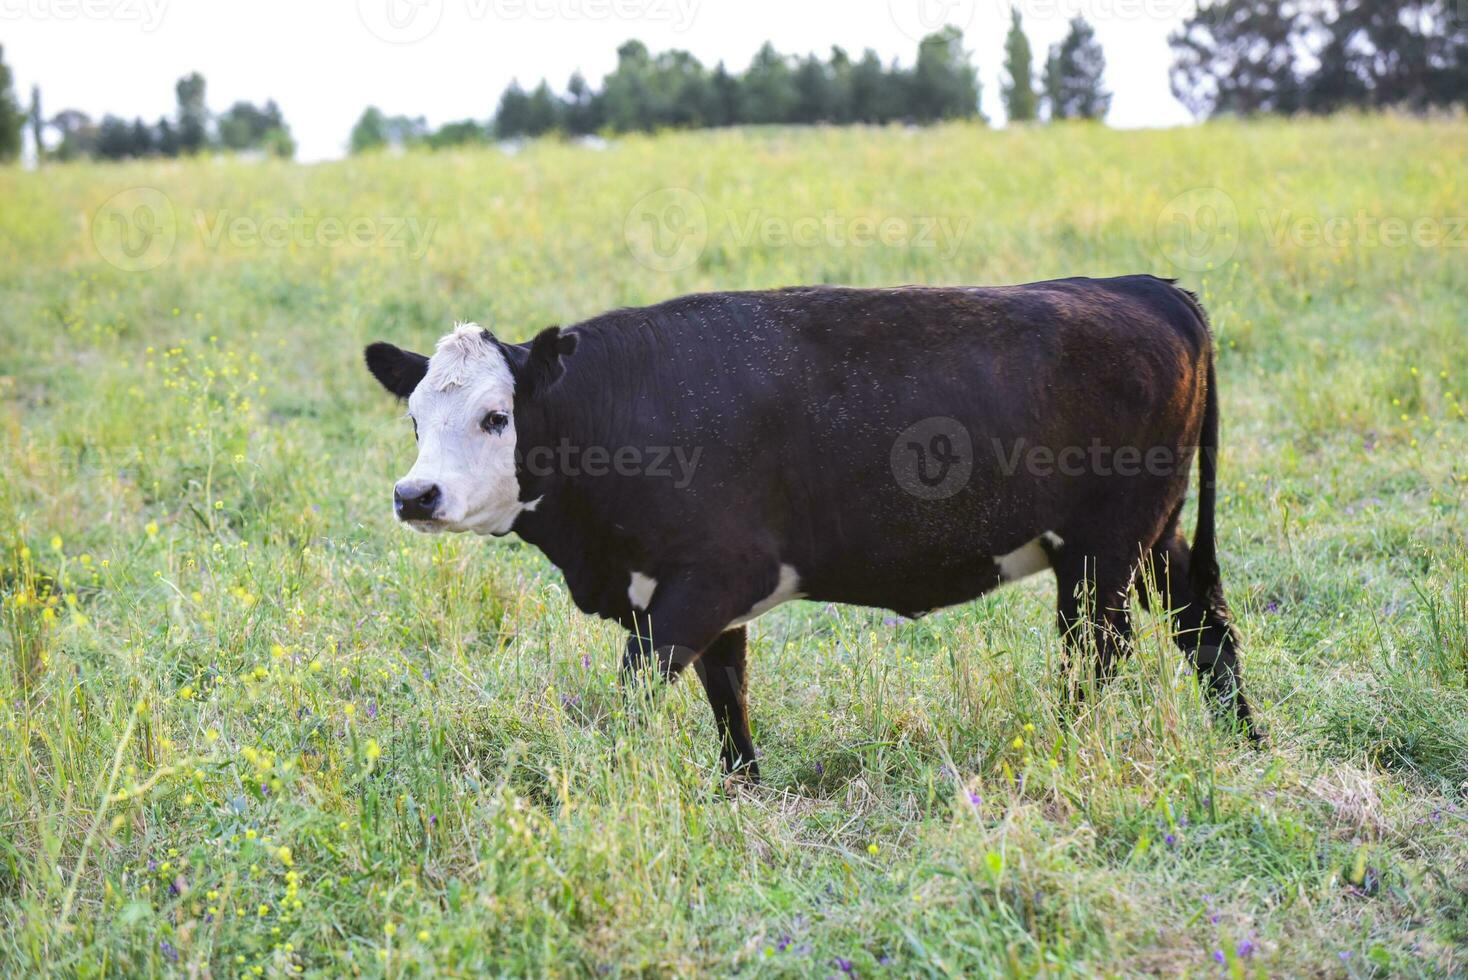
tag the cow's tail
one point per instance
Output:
(1203, 573)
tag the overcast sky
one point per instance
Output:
(324, 60)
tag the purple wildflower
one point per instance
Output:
(586, 661)
(975, 799)
(820, 769)
(784, 943)
(1245, 949)
(1171, 839)
(167, 949)
(1218, 956)
(844, 965)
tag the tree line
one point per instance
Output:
(1243, 57)
(1237, 57)
(647, 92)
(72, 134)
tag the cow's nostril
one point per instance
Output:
(416, 501)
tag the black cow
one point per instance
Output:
(690, 465)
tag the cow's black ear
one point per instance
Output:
(545, 363)
(398, 370)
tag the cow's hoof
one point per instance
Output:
(742, 777)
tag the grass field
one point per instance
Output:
(252, 727)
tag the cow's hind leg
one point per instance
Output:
(1092, 600)
(1202, 627)
(722, 671)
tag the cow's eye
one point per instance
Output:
(495, 422)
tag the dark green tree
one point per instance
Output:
(582, 111)
(767, 92)
(1021, 104)
(1074, 75)
(245, 126)
(512, 118)
(682, 91)
(944, 84)
(165, 138)
(370, 132)
(876, 95)
(144, 142)
(1407, 54)
(78, 135)
(466, 132)
(1237, 57)
(626, 93)
(114, 139)
(542, 111)
(815, 92)
(12, 121)
(841, 71)
(724, 103)
(193, 114)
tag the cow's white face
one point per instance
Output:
(463, 413)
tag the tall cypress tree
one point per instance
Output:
(1021, 104)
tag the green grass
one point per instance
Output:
(252, 727)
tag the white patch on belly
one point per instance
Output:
(786, 589)
(641, 590)
(1027, 559)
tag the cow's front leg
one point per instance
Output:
(687, 616)
(722, 670)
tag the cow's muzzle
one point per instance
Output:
(416, 500)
